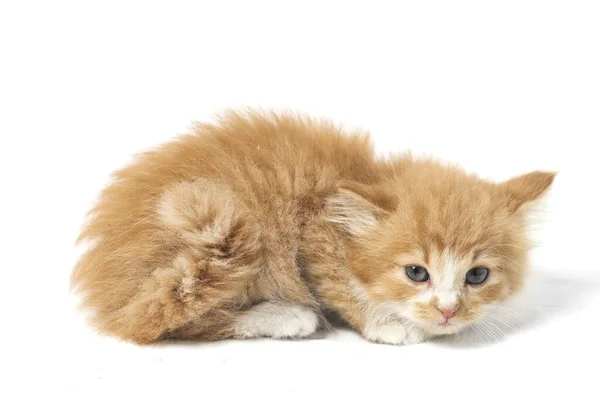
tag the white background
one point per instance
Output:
(501, 87)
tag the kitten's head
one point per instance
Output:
(437, 245)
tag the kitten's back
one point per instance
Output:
(276, 167)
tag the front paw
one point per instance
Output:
(393, 332)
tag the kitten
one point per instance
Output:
(258, 225)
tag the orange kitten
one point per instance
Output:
(261, 223)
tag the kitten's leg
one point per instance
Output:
(267, 319)
(218, 254)
(276, 320)
(339, 290)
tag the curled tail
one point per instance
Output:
(193, 249)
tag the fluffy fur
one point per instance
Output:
(259, 224)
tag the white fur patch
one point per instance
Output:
(277, 320)
(448, 283)
(392, 332)
(451, 266)
(447, 299)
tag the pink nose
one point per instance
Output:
(448, 312)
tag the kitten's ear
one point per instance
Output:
(526, 188)
(359, 207)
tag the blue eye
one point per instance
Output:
(477, 275)
(417, 273)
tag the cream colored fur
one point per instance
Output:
(259, 223)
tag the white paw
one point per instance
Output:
(393, 332)
(277, 320)
(415, 335)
